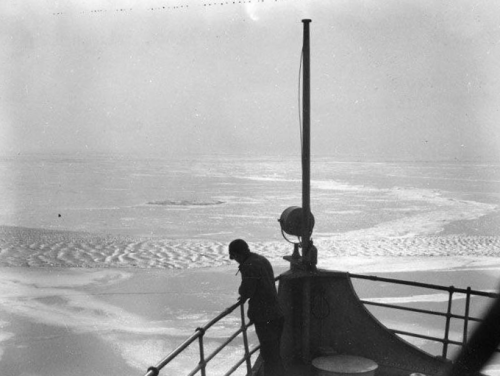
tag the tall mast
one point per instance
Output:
(306, 145)
(306, 193)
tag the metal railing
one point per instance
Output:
(204, 360)
(448, 315)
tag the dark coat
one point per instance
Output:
(258, 286)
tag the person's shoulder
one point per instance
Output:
(259, 261)
(255, 257)
(254, 260)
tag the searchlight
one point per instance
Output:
(292, 223)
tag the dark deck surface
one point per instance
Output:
(299, 369)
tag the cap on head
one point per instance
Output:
(239, 247)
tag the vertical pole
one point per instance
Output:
(306, 146)
(306, 192)
(466, 320)
(245, 339)
(202, 355)
(448, 319)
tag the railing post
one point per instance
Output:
(202, 351)
(466, 314)
(245, 339)
(448, 319)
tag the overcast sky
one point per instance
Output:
(390, 79)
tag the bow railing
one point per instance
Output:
(466, 318)
(448, 316)
(204, 359)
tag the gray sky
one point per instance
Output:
(390, 79)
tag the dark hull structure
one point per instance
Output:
(324, 308)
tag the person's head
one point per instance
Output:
(238, 250)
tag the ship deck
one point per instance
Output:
(296, 368)
(299, 369)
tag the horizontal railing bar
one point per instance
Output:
(240, 362)
(223, 314)
(227, 342)
(385, 305)
(449, 341)
(403, 308)
(425, 285)
(219, 349)
(402, 332)
(410, 334)
(174, 353)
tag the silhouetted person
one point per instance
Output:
(258, 287)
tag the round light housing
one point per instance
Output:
(292, 220)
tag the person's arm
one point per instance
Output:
(249, 279)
